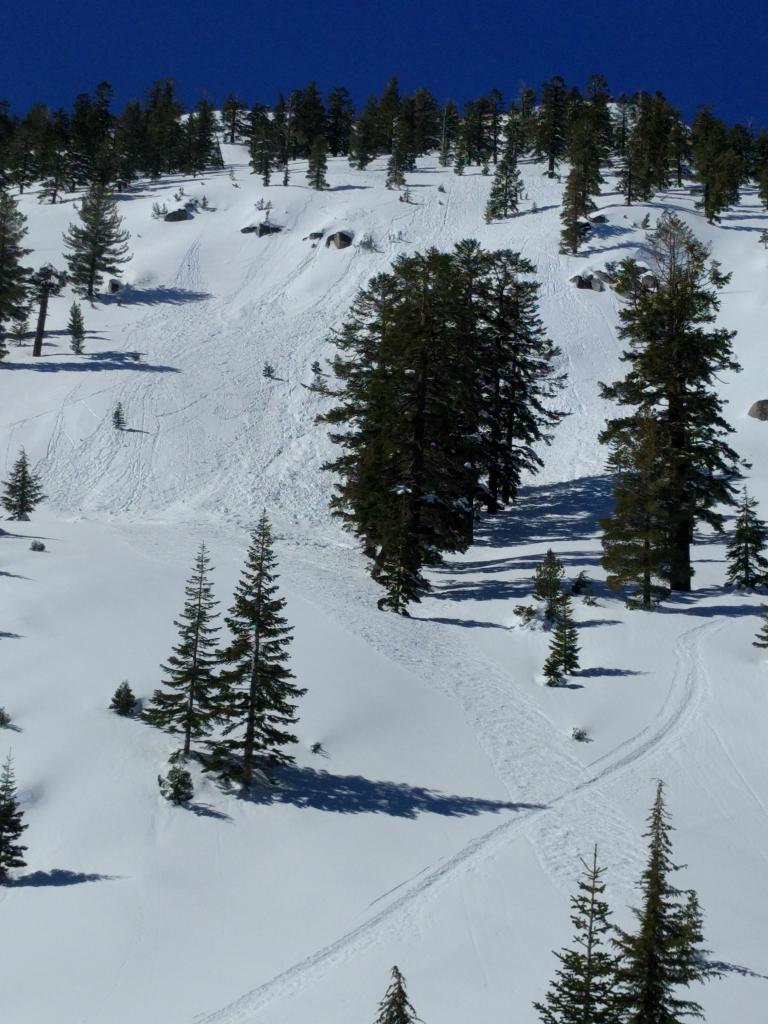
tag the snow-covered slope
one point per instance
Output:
(443, 830)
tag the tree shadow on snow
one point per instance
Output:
(353, 794)
(597, 671)
(98, 361)
(10, 636)
(130, 296)
(206, 811)
(58, 877)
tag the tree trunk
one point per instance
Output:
(37, 348)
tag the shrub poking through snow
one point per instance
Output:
(123, 700)
(118, 417)
(177, 786)
(579, 734)
(761, 640)
(5, 719)
(37, 545)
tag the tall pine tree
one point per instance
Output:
(257, 698)
(187, 704)
(98, 245)
(14, 278)
(664, 955)
(582, 991)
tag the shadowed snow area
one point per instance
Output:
(443, 827)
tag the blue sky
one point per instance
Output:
(701, 52)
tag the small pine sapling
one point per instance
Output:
(22, 490)
(118, 417)
(11, 824)
(5, 719)
(761, 640)
(76, 329)
(177, 786)
(563, 657)
(395, 1007)
(19, 331)
(763, 237)
(123, 700)
(747, 566)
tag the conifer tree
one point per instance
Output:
(177, 786)
(234, 116)
(664, 955)
(550, 140)
(577, 204)
(635, 535)
(187, 704)
(11, 824)
(507, 187)
(761, 640)
(98, 245)
(22, 491)
(257, 698)
(365, 135)
(318, 164)
(674, 354)
(118, 417)
(123, 700)
(719, 167)
(45, 282)
(340, 119)
(395, 1007)
(563, 659)
(396, 165)
(449, 129)
(76, 328)
(582, 990)
(14, 278)
(548, 583)
(747, 566)
(263, 143)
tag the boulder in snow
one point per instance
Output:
(114, 286)
(174, 215)
(341, 239)
(759, 410)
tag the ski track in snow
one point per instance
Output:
(687, 693)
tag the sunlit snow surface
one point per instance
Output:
(443, 830)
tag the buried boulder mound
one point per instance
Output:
(340, 239)
(759, 410)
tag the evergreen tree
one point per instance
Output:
(263, 143)
(397, 164)
(76, 329)
(364, 145)
(635, 540)
(186, 705)
(719, 167)
(550, 139)
(395, 1007)
(450, 121)
(234, 115)
(177, 786)
(339, 121)
(548, 583)
(664, 955)
(563, 659)
(98, 245)
(23, 491)
(123, 700)
(582, 991)
(674, 355)
(14, 278)
(761, 640)
(118, 417)
(201, 143)
(256, 702)
(507, 187)
(577, 204)
(747, 566)
(318, 164)
(11, 824)
(308, 121)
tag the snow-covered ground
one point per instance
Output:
(443, 829)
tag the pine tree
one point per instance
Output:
(563, 659)
(263, 143)
(397, 164)
(674, 354)
(256, 702)
(234, 118)
(45, 282)
(14, 278)
(76, 328)
(635, 535)
(23, 491)
(98, 245)
(719, 167)
(11, 826)
(550, 139)
(177, 786)
(507, 187)
(761, 640)
(318, 164)
(340, 120)
(186, 705)
(123, 700)
(395, 1008)
(548, 583)
(118, 417)
(747, 566)
(664, 955)
(365, 136)
(582, 991)
(577, 204)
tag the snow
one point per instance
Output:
(443, 830)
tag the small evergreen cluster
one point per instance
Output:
(445, 382)
(614, 976)
(239, 698)
(11, 824)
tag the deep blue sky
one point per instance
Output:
(708, 51)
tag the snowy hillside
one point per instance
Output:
(442, 831)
